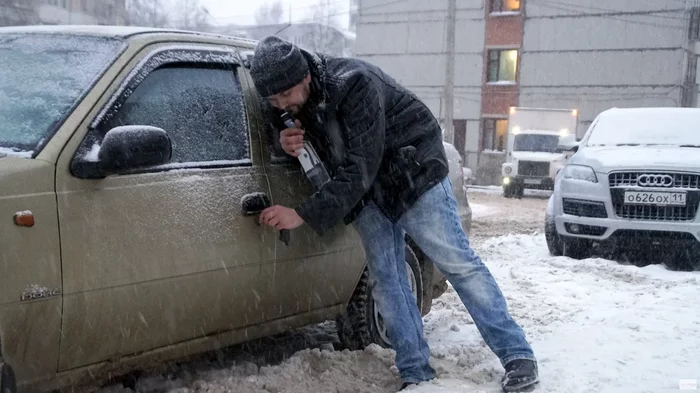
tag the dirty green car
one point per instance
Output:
(127, 160)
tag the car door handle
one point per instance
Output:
(253, 204)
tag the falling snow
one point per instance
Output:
(595, 325)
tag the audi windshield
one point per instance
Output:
(43, 76)
(653, 126)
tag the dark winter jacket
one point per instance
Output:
(378, 141)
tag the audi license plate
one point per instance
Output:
(532, 181)
(655, 198)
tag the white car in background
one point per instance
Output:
(633, 185)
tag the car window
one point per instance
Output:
(43, 78)
(200, 107)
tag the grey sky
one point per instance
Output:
(242, 11)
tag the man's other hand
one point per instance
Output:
(292, 139)
(280, 217)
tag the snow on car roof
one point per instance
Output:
(652, 111)
(100, 30)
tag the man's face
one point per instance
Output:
(293, 99)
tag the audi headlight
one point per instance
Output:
(579, 172)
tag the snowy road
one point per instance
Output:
(596, 326)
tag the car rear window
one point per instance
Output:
(44, 76)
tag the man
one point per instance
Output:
(389, 177)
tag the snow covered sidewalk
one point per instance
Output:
(596, 326)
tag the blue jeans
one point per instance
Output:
(433, 223)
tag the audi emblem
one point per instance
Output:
(655, 180)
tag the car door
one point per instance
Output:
(312, 272)
(163, 255)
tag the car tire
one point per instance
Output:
(554, 243)
(509, 191)
(576, 248)
(8, 383)
(519, 191)
(686, 260)
(361, 324)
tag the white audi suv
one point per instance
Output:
(632, 188)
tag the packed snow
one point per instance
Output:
(595, 325)
(5, 151)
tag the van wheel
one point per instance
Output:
(519, 192)
(362, 323)
(7, 379)
(509, 191)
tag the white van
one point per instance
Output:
(533, 158)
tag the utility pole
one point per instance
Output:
(450, 71)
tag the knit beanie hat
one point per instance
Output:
(277, 66)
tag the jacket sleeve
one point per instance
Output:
(361, 115)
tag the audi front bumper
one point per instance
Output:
(598, 212)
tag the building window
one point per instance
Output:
(502, 65)
(505, 5)
(494, 134)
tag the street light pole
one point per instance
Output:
(450, 71)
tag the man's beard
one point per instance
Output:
(297, 109)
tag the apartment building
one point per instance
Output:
(585, 54)
(593, 55)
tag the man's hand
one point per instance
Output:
(292, 139)
(280, 217)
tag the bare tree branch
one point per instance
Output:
(324, 18)
(19, 12)
(269, 14)
(192, 16)
(147, 13)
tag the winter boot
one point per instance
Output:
(521, 375)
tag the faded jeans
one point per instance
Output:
(433, 223)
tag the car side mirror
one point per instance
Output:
(125, 149)
(572, 147)
(568, 143)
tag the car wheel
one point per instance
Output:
(576, 248)
(7, 379)
(362, 323)
(554, 243)
(508, 191)
(519, 191)
(686, 260)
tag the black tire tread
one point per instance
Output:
(577, 248)
(554, 243)
(353, 326)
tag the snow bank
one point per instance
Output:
(595, 326)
